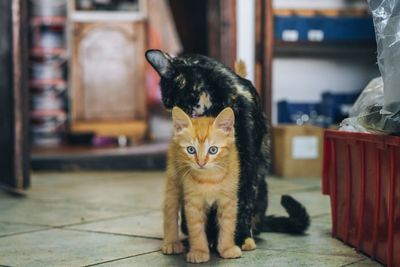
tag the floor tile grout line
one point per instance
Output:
(351, 263)
(100, 220)
(67, 227)
(48, 228)
(320, 215)
(26, 232)
(308, 253)
(296, 190)
(79, 201)
(79, 230)
(26, 224)
(117, 234)
(80, 223)
(124, 258)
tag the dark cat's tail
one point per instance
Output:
(297, 222)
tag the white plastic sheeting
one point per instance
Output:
(386, 15)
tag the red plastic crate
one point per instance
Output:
(361, 174)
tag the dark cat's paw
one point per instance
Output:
(172, 248)
(249, 244)
(197, 256)
(231, 253)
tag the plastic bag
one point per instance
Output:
(378, 107)
(352, 125)
(386, 15)
(371, 96)
(366, 114)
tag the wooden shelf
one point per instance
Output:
(44, 83)
(92, 16)
(48, 113)
(48, 21)
(353, 12)
(282, 48)
(48, 52)
(135, 129)
(148, 156)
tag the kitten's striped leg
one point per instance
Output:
(171, 243)
(227, 212)
(195, 218)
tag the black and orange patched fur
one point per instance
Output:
(202, 86)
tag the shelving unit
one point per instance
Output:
(340, 27)
(48, 84)
(140, 154)
(268, 47)
(146, 156)
(336, 50)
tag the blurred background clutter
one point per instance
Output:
(95, 102)
(77, 94)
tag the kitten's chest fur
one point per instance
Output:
(209, 193)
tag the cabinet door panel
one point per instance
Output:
(109, 60)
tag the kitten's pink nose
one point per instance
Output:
(201, 164)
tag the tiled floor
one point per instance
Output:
(114, 219)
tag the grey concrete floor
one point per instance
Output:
(114, 219)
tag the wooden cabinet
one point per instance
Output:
(107, 73)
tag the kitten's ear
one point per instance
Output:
(180, 119)
(161, 62)
(225, 120)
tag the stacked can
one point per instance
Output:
(48, 77)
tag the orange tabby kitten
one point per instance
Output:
(203, 169)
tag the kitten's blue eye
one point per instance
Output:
(213, 150)
(191, 150)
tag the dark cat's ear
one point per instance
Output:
(161, 62)
(225, 120)
(180, 119)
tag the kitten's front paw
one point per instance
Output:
(197, 256)
(172, 248)
(231, 253)
(249, 244)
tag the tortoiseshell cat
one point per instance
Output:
(202, 172)
(202, 86)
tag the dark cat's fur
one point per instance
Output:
(202, 86)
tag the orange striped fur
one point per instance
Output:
(198, 181)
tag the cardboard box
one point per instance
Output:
(298, 151)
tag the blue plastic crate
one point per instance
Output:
(287, 112)
(337, 105)
(324, 29)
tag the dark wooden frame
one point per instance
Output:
(264, 53)
(264, 57)
(221, 20)
(14, 96)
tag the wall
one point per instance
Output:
(245, 12)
